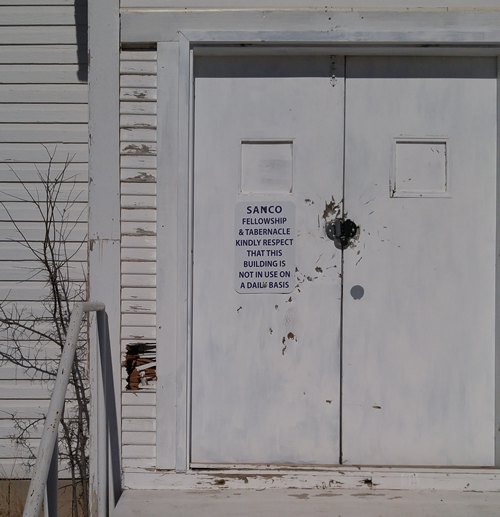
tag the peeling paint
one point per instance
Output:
(141, 177)
(142, 149)
(331, 210)
(140, 364)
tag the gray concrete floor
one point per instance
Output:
(294, 503)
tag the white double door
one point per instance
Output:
(382, 353)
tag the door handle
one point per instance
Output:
(341, 231)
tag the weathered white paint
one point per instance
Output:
(42, 100)
(403, 5)
(220, 37)
(138, 231)
(262, 477)
(256, 380)
(316, 25)
(104, 217)
(419, 368)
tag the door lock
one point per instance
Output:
(341, 231)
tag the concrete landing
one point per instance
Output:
(295, 503)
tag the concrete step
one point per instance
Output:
(331, 502)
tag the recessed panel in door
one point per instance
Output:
(268, 164)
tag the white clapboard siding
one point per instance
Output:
(15, 191)
(36, 153)
(16, 373)
(32, 55)
(133, 162)
(45, 74)
(138, 253)
(133, 424)
(43, 113)
(138, 134)
(36, 2)
(137, 108)
(138, 95)
(142, 189)
(23, 271)
(138, 228)
(143, 307)
(38, 35)
(135, 215)
(138, 121)
(43, 118)
(44, 93)
(28, 173)
(38, 15)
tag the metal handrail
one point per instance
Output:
(48, 441)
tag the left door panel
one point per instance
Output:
(265, 377)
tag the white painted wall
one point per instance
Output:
(138, 245)
(43, 100)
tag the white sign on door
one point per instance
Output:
(265, 247)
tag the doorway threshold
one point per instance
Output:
(468, 479)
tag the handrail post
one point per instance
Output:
(49, 436)
(52, 483)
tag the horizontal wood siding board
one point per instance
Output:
(147, 333)
(130, 280)
(43, 113)
(39, 35)
(42, 15)
(24, 211)
(138, 254)
(77, 172)
(138, 438)
(138, 399)
(36, 2)
(44, 93)
(137, 176)
(39, 74)
(131, 425)
(138, 55)
(138, 228)
(12, 191)
(135, 293)
(138, 67)
(138, 451)
(47, 54)
(139, 188)
(143, 149)
(142, 320)
(138, 136)
(31, 274)
(137, 108)
(139, 120)
(130, 201)
(36, 153)
(138, 214)
(138, 94)
(138, 411)
(138, 162)
(44, 133)
(137, 81)
(142, 307)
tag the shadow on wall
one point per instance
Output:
(81, 23)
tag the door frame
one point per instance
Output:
(177, 50)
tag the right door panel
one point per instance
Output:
(419, 290)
